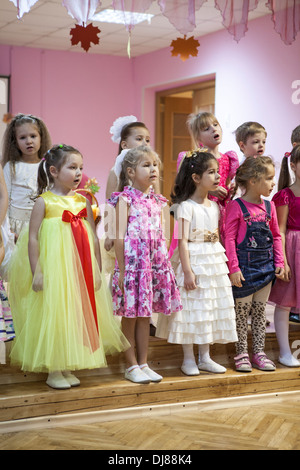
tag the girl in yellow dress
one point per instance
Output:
(60, 303)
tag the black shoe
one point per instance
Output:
(294, 317)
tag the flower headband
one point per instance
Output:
(192, 154)
(118, 125)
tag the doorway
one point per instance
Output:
(173, 107)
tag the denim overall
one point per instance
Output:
(255, 254)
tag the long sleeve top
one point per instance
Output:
(236, 227)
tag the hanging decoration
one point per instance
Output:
(85, 35)
(129, 7)
(286, 18)
(181, 14)
(185, 47)
(235, 15)
(23, 6)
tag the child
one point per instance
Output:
(253, 246)
(251, 138)
(295, 140)
(6, 324)
(206, 132)
(128, 133)
(200, 267)
(285, 293)
(62, 312)
(143, 280)
(26, 139)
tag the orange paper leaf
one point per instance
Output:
(85, 35)
(185, 47)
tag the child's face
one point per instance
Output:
(254, 146)
(210, 178)
(145, 173)
(211, 135)
(265, 185)
(138, 136)
(28, 140)
(69, 176)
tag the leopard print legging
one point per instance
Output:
(254, 305)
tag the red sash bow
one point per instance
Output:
(82, 243)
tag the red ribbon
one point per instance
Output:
(82, 243)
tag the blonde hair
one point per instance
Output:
(131, 160)
(252, 168)
(196, 123)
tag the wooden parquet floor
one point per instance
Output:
(271, 424)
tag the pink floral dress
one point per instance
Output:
(149, 281)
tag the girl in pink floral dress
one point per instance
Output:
(143, 280)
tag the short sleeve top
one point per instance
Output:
(286, 197)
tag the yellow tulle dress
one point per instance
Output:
(65, 326)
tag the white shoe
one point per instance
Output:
(153, 376)
(56, 380)
(136, 375)
(71, 379)
(289, 361)
(190, 368)
(211, 366)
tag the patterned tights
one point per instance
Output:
(254, 305)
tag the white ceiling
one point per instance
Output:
(48, 25)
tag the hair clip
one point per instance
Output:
(60, 146)
(43, 159)
(287, 154)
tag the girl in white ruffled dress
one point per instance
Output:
(199, 263)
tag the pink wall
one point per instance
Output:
(79, 94)
(253, 81)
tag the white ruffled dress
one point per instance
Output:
(208, 314)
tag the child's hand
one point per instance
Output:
(190, 281)
(121, 281)
(108, 244)
(237, 278)
(220, 193)
(37, 283)
(281, 273)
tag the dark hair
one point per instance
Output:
(295, 137)
(56, 156)
(126, 130)
(11, 152)
(284, 177)
(253, 167)
(194, 162)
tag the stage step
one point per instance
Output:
(27, 395)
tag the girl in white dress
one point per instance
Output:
(199, 263)
(25, 141)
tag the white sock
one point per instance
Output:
(281, 322)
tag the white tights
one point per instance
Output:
(188, 353)
(281, 322)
